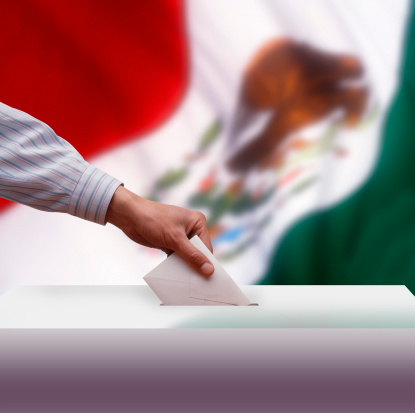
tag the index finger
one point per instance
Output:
(202, 231)
(204, 236)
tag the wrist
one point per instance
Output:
(121, 208)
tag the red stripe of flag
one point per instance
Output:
(96, 72)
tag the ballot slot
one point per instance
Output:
(218, 305)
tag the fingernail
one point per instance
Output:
(207, 268)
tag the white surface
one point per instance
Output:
(137, 307)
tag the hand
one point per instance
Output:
(161, 226)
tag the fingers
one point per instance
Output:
(193, 256)
(203, 232)
(204, 236)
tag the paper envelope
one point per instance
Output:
(176, 283)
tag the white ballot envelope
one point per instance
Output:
(176, 283)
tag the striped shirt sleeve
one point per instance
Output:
(43, 171)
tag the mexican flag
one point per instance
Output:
(287, 123)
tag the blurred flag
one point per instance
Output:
(271, 117)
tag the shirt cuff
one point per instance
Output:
(92, 195)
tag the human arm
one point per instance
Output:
(43, 171)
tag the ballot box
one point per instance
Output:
(117, 349)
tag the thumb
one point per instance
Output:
(194, 257)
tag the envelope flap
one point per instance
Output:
(171, 292)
